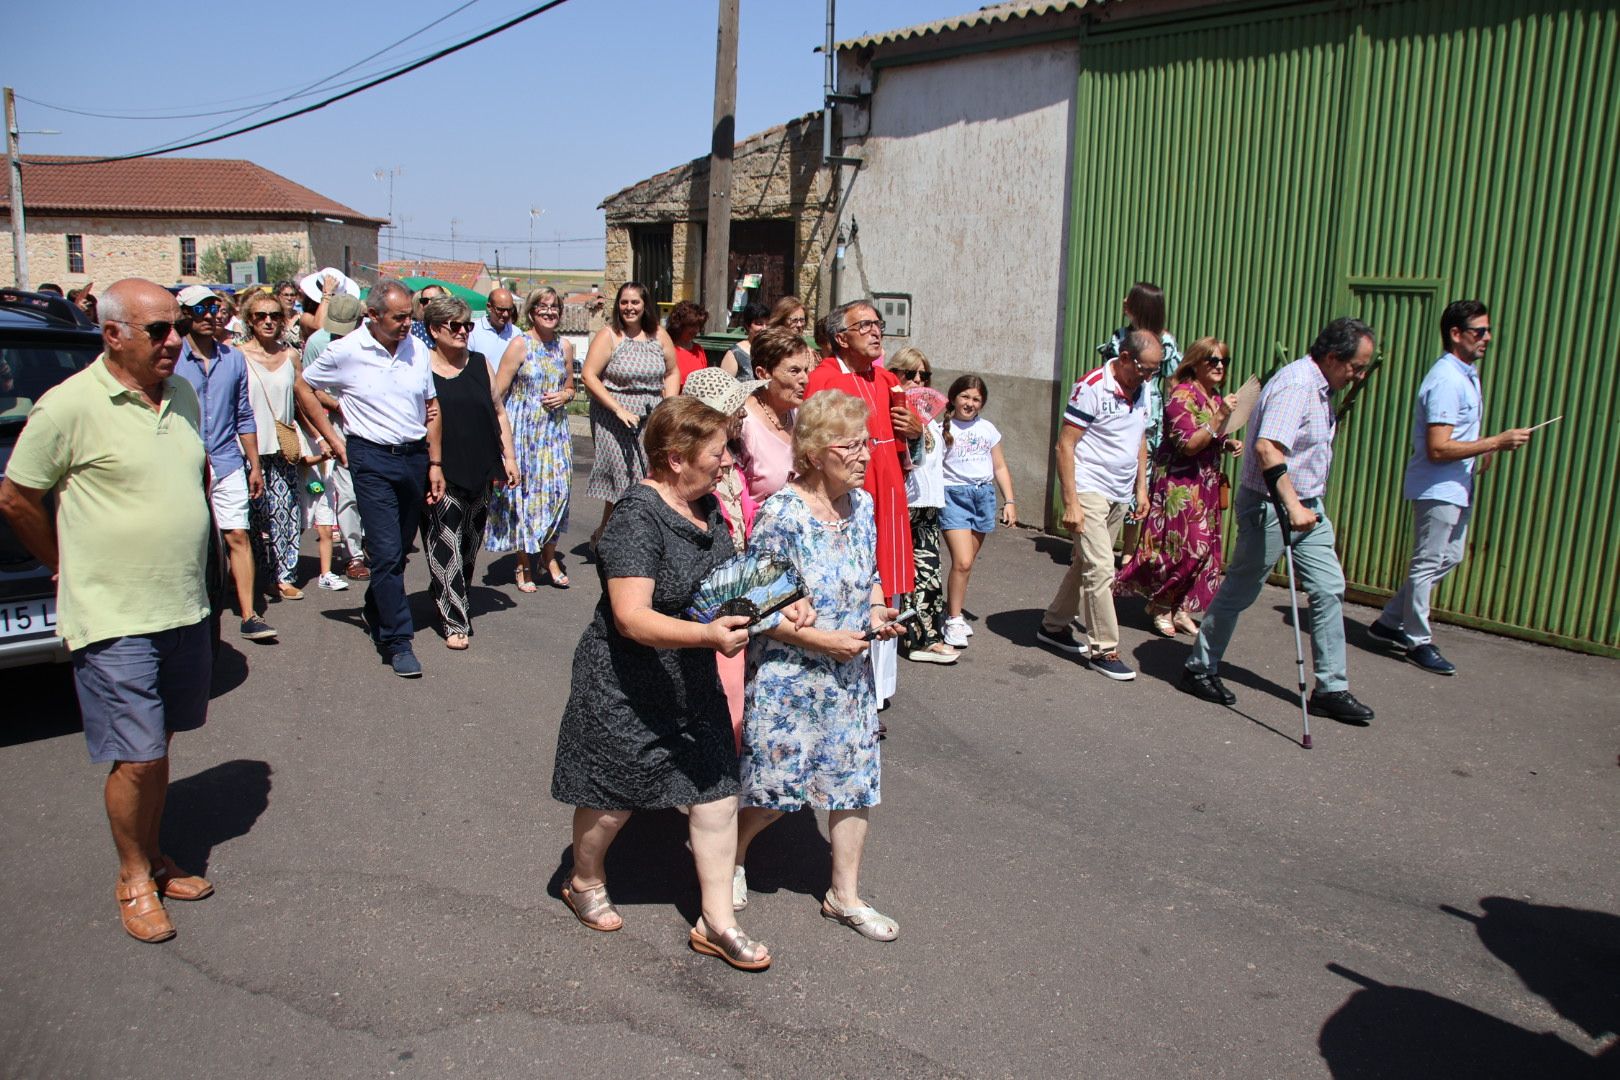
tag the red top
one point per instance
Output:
(885, 479)
(690, 360)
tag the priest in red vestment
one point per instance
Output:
(857, 342)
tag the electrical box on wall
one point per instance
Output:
(895, 311)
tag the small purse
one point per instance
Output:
(1226, 493)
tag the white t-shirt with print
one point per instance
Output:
(968, 461)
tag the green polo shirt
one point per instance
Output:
(131, 512)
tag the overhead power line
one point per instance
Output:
(292, 94)
(459, 239)
(406, 70)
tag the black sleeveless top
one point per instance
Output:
(470, 439)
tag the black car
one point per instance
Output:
(43, 340)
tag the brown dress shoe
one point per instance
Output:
(175, 884)
(357, 571)
(142, 912)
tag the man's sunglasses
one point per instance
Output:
(205, 307)
(158, 331)
(504, 310)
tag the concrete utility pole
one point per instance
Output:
(19, 234)
(717, 239)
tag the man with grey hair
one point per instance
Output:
(121, 445)
(494, 330)
(857, 343)
(1102, 464)
(1287, 457)
(385, 382)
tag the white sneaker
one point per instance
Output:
(968, 627)
(331, 582)
(955, 632)
(739, 889)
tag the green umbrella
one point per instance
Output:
(476, 301)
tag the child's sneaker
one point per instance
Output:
(331, 582)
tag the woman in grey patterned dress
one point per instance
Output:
(629, 368)
(646, 726)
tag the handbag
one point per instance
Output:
(286, 434)
(1226, 493)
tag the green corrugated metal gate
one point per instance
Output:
(1279, 166)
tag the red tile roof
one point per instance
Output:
(456, 272)
(169, 185)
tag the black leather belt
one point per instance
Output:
(412, 447)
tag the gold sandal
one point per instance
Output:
(733, 946)
(590, 905)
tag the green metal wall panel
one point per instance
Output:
(1274, 168)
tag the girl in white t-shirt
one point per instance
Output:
(973, 468)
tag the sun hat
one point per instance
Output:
(342, 314)
(720, 391)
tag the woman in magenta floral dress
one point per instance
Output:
(1178, 562)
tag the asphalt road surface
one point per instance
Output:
(1092, 879)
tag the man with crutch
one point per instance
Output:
(1289, 455)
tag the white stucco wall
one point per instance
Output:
(961, 202)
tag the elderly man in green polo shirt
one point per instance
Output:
(128, 542)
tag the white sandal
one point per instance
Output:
(865, 920)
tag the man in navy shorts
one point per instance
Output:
(129, 541)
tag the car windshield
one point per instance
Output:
(28, 370)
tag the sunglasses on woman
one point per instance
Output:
(458, 327)
(268, 316)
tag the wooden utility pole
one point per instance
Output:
(19, 234)
(717, 239)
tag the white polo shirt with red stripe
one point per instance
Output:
(1107, 455)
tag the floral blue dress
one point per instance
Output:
(535, 513)
(810, 722)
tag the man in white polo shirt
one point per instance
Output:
(384, 380)
(1102, 464)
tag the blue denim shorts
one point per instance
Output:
(134, 691)
(969, 506)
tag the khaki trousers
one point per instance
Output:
(1088, 587)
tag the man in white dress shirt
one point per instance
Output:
(384, 379)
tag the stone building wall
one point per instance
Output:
(116, 247)
(776, 176)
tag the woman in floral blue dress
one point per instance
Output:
(536, 379)
(810, 729)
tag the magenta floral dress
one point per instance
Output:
(1178, 562)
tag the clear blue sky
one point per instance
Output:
(554, 114)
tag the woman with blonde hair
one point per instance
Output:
(810, 732)
(536, 381)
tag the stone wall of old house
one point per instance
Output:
(328, 240)
(118, 247)
(776, 175)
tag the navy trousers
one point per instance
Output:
(389, 485)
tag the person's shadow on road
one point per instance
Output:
(208, 808)
(1570, 957)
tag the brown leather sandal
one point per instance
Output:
(733, 946)
(142, 912)
(175, 884)
(590, 905)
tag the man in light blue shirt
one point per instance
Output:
(1446, 447)
(494, 330)
(219, 375)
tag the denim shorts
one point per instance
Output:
(135, 691)
(969, 506)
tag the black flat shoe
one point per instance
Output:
(1427, 657)
(1205, 687)
(1382, 632)
(1339, 705)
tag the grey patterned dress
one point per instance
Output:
(644, 728)
(634, 375)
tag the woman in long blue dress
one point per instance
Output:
(810, 727)
(536, 380)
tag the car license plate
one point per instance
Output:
(28, 620)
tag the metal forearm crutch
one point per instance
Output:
(1289, 541)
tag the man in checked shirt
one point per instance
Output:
(1289, 453)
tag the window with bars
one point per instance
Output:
(188, 256)
(75, 253)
